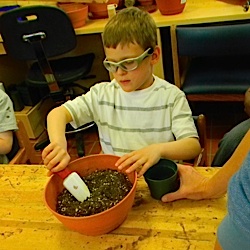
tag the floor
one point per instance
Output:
(221, 117)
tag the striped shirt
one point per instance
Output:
(128, 121)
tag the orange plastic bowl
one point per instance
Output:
(100, 223)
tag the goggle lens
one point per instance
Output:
(127, 64)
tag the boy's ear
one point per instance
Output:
(156, 55)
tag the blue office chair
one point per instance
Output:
(211, 61)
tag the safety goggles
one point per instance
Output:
(127, 64)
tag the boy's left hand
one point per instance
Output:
(143, 158)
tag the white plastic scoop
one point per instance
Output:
(74, 184)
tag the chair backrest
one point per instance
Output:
(200, 123)
(213, 40)
(35, 23)
(211, 61)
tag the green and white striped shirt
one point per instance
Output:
(128, 121)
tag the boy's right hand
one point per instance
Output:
(55, 157)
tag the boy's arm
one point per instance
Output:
(55, 155)
(56, 124)
(6, 140)
(184, 149)
(195, 186)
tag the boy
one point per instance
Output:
(140, 117)
(7, 124)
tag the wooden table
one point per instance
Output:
(26, 223)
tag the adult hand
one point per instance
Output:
(55, 157)
(192, 185)
(143, 158)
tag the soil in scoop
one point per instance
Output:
(107, 188)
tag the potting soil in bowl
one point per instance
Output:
(107, 188)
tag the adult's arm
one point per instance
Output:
(195, 186)
(218, 184)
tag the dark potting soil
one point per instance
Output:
(107, 188)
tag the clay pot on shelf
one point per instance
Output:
(100, 223)
(99, 10)
(170, 7)
(77, 12)
(146, 2)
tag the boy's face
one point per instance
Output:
(139, 78)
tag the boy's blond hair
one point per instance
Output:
(130, 25)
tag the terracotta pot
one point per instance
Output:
(100, 223)
(77, 12)
(99, 10)
(170, 7)
(146, 2)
